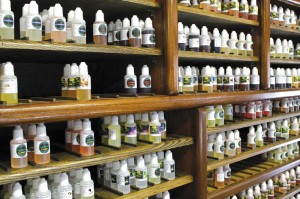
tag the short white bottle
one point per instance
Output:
(114, 175)
(131, 168)
(64, 188)
(17, 192)
(34, 188)
(107, 175)
(169, 166)
(54, 184)
(123, 178)
(141, 173)
(76, 191)
(43, 191)
(154, 170)
(87, 185)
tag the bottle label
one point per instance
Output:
(65, 193)
(6, 21)
(107, 175)
(211, 115)
(48, 196)
(58, 24)
(271, 133)
(64, 83)
(220, 177)
(234, 6)
(77, 188)
(100, 29)
(228, 80)
(295, 126)
(210, 146)
(205, 41)
(75, 139)
(8, 86)
(154, 173)
(271, 192)
(284, 130)
(154, 130)
(141, 175)
(194, 43)
(182, 38)
(124, 35)
(33, 23)
(217, 42)
(100, 172)
(135, 33)
(255, 80)
(244, 8)
(187, 81)
(73, 82)
(228, 110)
(206, 80)
(251, 139)
(237, 79)
(245, 80)
(132, 173)
(87, 190)
(84, 82)
(18, 150)
(79, 30)
(163, 126)
(253, 10)
(272, 80)
(278, 156)
(131, 131)
(123, 180)
(220, 80)
(213, 3)
(289, 80)
(30, 146)
(110, 37)
(225, 7)
(112, 134)
(130, 82)
(41, 147)
(117, 35)
(149, 39)
(169, 167)
(251, 109)
(144, 129)
(145, 82)
(86, 140)
(231, 145)
(113, 178)
(227, 174)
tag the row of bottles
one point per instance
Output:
(8, 83)
(131, 128)
(191, 39)
(283, 154)
(281, 183)
(286, 105)
(211, 79)
(286, 18)
(229, 7)
(76, 184)
(34, 147)
(284, 49)
(281, 78)
(137, 172)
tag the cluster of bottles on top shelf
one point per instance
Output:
(286, 18)
(281, 78)
(228, 7)
(284, 49)
(191, 39)
(52, 25)
(75, 184)
(137, 172)
(281, 183)
(230, 144)
(211, 80)
(132, 128)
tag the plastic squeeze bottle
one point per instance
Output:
(41, 145)
(18, 149)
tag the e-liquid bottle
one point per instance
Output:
(76, 189)
(230, 145)
(25, 10)
(281, 15)
(147, 158)
(259, 141)
(29, 136)
(244, 9)
(143, 130)
(114, 175)
(282, 184)
(169, 166)
(130, 80)
(27, 188)
(278, 155)
(272, 48)
(271, 133)
(188, 80)
(227, 174)
(154, 125)
(110, 33)
(68, 135)
(64, 80)
(58, 25)
(69, 23)
(289, 78)
(83, 83)
(104, 129)
(122, 119)
(237, 78)
(135, 33)
(161, 158)
(272, 79)
(204, 40)
(285, 129)
(130, 135)
(72, 81)
(234, 8)
(79, 27)
(18, 149)
(124, 38)
(154, 170)
(219, 115)
(285, 153)
(253, 11)
(195, 78)
(238, 141)
(194, 41)
(207, 84)
(17, 192)
(33, 23)
(291, 49)
(43, 192)
(187, 33)
(86, 185)
(163, 124)
(232, 43)
(131, 166)
(210, 117)
(64, 189)
(241, 44)
(216, 41)
(41, 145)
(251, 138)
(100, 29)
(180, 80)
(114, 132)
(257, 193)
(285, 49)
(270, 189)
(117, 32)
(295, 79)
(249, 44)
(228, 112)
(275, 15)
(219, 147)
(213, 7)
(214, 78)
(8, 84)
(278, 49)
(264, 190)
(228, 80)
(224, 42)
(292, 178)
(48, 24)
(148, 34)
(182, 39)
(294, 127)
(123, 178)
(145, 80)
(7, 17)
(220, 85)
(245, 79)
(254, 79)
(291, 154)
(87, 140)
(107, 175)
(141, 174)
(287, 18)
(219, 178)
(210, 145)
(53, 186)
(76, 136)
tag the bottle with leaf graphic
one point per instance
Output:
(234, 8)
(141, 174)
(144, 129)
(219, 147)
(219, 115)
(154, 126)
(86, 185)
(188, 80)
(72, 81)
(123, 178)
(104, 129)
(41, 145)
(130, 134)
(29, 136)
(18, 149)
(7, 18)
(83, 80)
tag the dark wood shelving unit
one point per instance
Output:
(281, 31)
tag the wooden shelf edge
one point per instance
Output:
(248, 123)
(251, 153)
(184, 179)
(215, 56)
(253, 180)
(147, 3)
(294, 3)
(199, 12)
(285, 61)
(72, 162)
(275, 29)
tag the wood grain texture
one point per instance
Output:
(283, 31)
(179, 181)
(285, 61)
(253, 180)
(69, 162)
(295, 3)
(247, 123)
(251, 153)
(62, 111)
(148, 3)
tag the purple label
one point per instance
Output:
(131, 130)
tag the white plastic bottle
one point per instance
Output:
(123, 178)
(71, 16)
(54, 185)
(87, 185)
(78, 27)
(17, 192)
(43, 192)
(114, 174)
(154, 170)
(169, 166)
(107, 174)
(18, 149)
(141, 173)
(166, 195)
(130, 80)
(145, 80)
(33, 23)
(27, 187)
(155, 135)
(34, 188)
(64, 188)
(87, 141)
(7, 20)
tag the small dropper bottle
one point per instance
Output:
(58, 25)
(123, 178)
(161, 158)
(230, 145)
(291, 49)
(219, 147)
(278, 49)
(145, 80)
(131, 166)
(7, 18)
(249, 44)
(154, 170)
(117, 32)
(86, 185)
(219, 178)
(285, 49)
(148, 34)
(195, 78)
(272, 48)
(71, 16)
(228, 80)
(135, 33)
(163, 124)
(254, 79)
(25, 11)
(241, 44)
(244, 9)
(87, 140)
(257, 193)
(216, 41)
(181, 37)
(187, 33)
(232, 43)
(84, 84)
(130, 80)
(110, 33)
(114, 174)
(27, 187)
(155, 135)
(100, 29)
(124, 40)
(253, 11)
(43, 191)
(238, 140)
(144, 127)
(64, 80)
(34, 188)
(64, 188)
(237, 78)
(114, 132)
(204, 40)
(8, 84)
(48, 24)
(41, 145)
(270, 189)
(29, 136)
(79, 27)
(72, 81)
(17, 192)
(251, 138)
(221, 73)
(289, 78)
(130, 135)
(68, 135)
(33, 27)
(194, 41)
(18, 149)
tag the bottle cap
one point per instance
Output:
(294, 72)
(274, 9)
(122, 118)
(220, 170)
(194, 30)
(285, 42)
(8, 69)
(5, 5)
(219, 138)
(17, 190)
(147, 157)
(126, 23)
(264, 186)
(251, 130)
(288, 72)
(35, 183)
(77, 125)
(249, 38)
(41, 130)
(287, 12)
(160, 155)
(292, 172)
(78, 14)
(86, 175)
(137, 116)
(254, 71)
(278, 42)
(186, 30)
(145, 70)
(135, 21)
(43, 185)
(204, 30)
(237, 71)
(225, 34)
(74, 69)
(72, 173)
(253, 3)
(56, 178)
(130, 118)
(33, 8)
(111, 26)
(118, 24)
(31, 129)
(166, 195)
(221, 71)
(291, 45)
(67, 70)
(70, 124)
(282, 178)
(168, 155)
(257, 190)
(130, 70)
(25, 10)
(83, 69)
(17, 133)
(285, 123)
(244, 2)
(216, 32)
(64, 179)
(272, 126)
(161, 115)
(250, 192)
(154, 117)
(99, 16)
(142, 24)
(271, 72)
(233, 35)
(107, 120)
(57, 10)
(229, 71)
(270, 183)
(114, 120)
(79, 173)
(148, 23)
(231, 136)
(180, 27)
(145, 117)
(233, 197)
(123, 166)
(116, 165)
(271, 41)
(130, 162)
(86, 124)
(154, 159)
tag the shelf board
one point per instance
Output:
(68, 110)
(196, 15)
(251, 153)
(68, 161)
(247, 123)
(180, 180)
(214, 57)
(253, 179)
(283, 31)
(147, 3)
(285, 61)
(290, 193)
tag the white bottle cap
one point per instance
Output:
(31, 129)
(253, 3)
(256, 190)
(147, 157)
(99, 16)
(41, 130)
(220, 170)
(107, 120)
(270, 183)
(194, 30)
(64, 179)
(111, 26)
(78, 14)
(237, 71)
(244, 2)
(285, 123)
(5, 5)
(83, 69)
(168, 155)
(86, 175)
(274, 9)
(114, 120)
(250, 192)
(67, 70)
(130, 118)
(219, 138)
(278, 42)
(188, 71)
(70, 124)
(234, 197)
(160, 155)
(242, 36)
(285, 42)
(287, 175)
(140, 162)
(233, 35)
(264, 186)
(154, 117)
(35, 183)
(118, 24)
(231, 136)
(280, 10)
(116, 165)
(137, 116)
(166, 195)
(33, 8)
(43, 185)
(123, 166)
(186, 30)
(17, 190)
(225, 34)
(134, 21)
(292, 172)
(216, 32)
(72, 173)
(86, 124)
(294, 71)
(204, 30)
(51, 12)
(130, 70)
(251, 130)
(122, 118)
(71, 15)
(77, 125)
(126, 23)
(142, 24)
(25, 10)
(229, 70)
(74, 69)
(79, 173)
(271, 41)
(295, 120)
(180, 27)
(148, 23)
(288, 72)
(287, 12)
(282, 178)
(145, 70)
(8, 69)
(56, 178)
(221, 71)
(271, 72)
(291, 45)
(298, 170)
(145, 117)
(161, 115)
(254, 71)
(272, 126)
(249, 38)
(58, 10)
(154, 159)
(130, 162)
(17, 133)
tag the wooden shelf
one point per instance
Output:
(278, 31)
(67, 110)
(68, 161)
(247, 123)
(196, 15)
(285, 61)
(147, 3)
(251, 153)
(289, 194)
(180, 180)
(253, 179)
(214, 57)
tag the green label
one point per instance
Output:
(226, 80)
(136, 32)
(219, 80)
(8, 21)
(295, 78)
(60, 24)
(161, 164)
(102, 29)
(30, 146)
(152, 39)
(72, 82)
(141, 175)
(36, 22)
(222, 148)
(275, 15)
(82, 30)
(154, 130)
(212, 1)
(244, 79)
(89, 140)
(206, 80)
(234, 5)
(132, 172)
(187, 81)
(21, 150)
(113, 178)
(298, 52)
(44, 147)
(225, 6)
(232, 145)
(284, 130)
(243, 7)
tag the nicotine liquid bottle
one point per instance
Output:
(155, 135)
(181, 37)
(86, 139)
(7, 18)
(145, 80)
(141, 173)
(194, 41)
(48, 24)
(72, 81)
(69, 23)
(123, 178)
(8, 84)
(110, 33)
(148, 34)
(29, 136)
(135, 33)
(25, 10)
(83, 83)
(130, 80)
(58, 25)
(41, 145)
(87, 186)
(100, 29)
(124, 33)
(130, 135)
(76, 136)
(114, 132)
(33, 23)
(64, 80)
(18, 149)
(78, 27)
